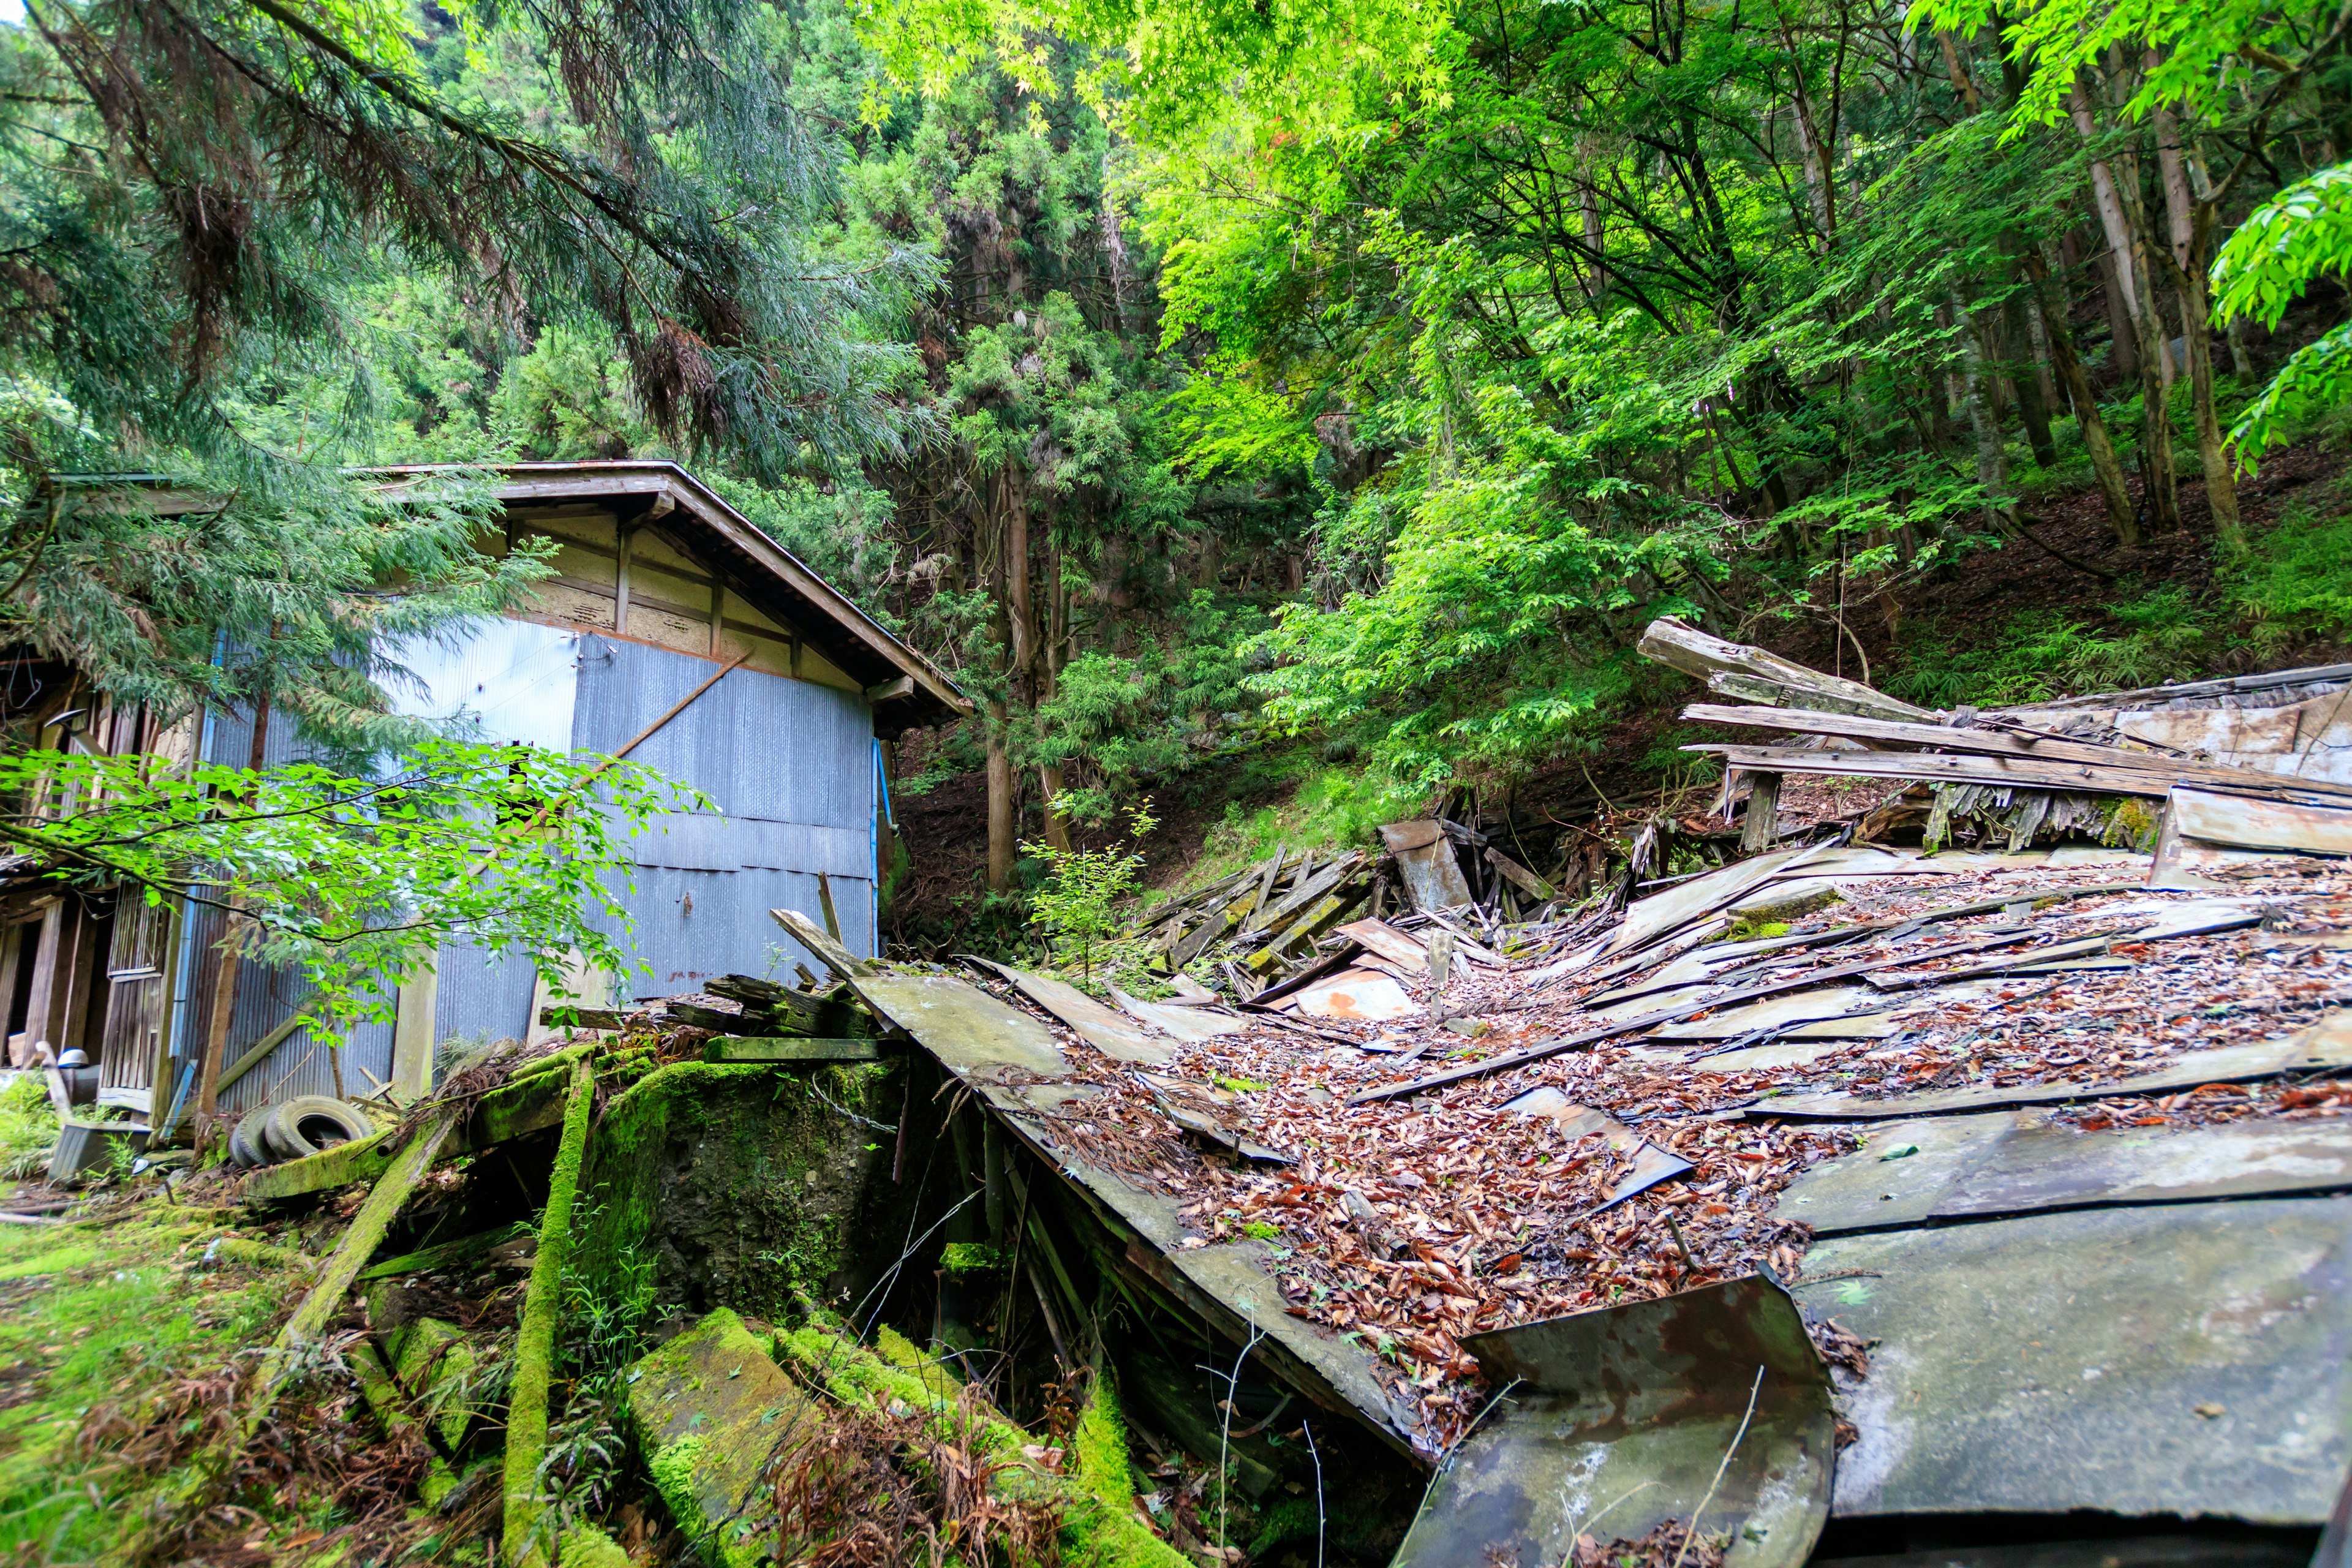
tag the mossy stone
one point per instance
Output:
(711, 1409)
(742, 1187)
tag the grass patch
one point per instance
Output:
(96, 1318)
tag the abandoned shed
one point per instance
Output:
(674, 631)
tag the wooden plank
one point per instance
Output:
(844, 965)
(2016, 772)
(1215, 927)
(1995, 744)
(1519, 877)
(2191, 691)
(1318, 917)
(252, 1059)
(750, 1048)
(359, 1243)
(2242, 824)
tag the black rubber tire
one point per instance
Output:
(245, 1140)
(309, 1123)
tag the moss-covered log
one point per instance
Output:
(535, 1340)
(1096, 1502)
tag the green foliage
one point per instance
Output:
(970, 1257)
(28, 1126)
(2300, 236)
(1079, 903)
(356, 882)
(1124, 722)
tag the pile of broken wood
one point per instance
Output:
(1276, 924)
(746, 1018)
(2278, 746)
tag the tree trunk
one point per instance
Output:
(1000, 802)
(2121, 515)
(1992, 461)
(2129, 263)
(2017, 347)
(2123, 337)
(2191, 223)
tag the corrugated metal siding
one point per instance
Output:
(482, 995)
(790, 765)
(693, 925)
(265, 997)
(788, 762)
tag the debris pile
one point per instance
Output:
(1432, 1134)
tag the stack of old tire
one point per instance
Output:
(305, 1125)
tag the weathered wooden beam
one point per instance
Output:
(1760, 829)
(1695, 653)
(534, 1356)
(1519, 877)
(844, 965)
(350, 1254)
(1974, 742)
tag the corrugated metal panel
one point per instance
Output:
(481, 994)
(692, 925)
(760, 746)
(705, 843)
(265, 998)
(789, 764)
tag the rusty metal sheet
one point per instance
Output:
(1621, 1419)
(1651, 1164)
(1977, 1167)
(1404, 950)
(2326, 1045)
(1191, 1023)
(1358, 995)
(974, 1035)
(1425, 859)
(1106, 1031)
(2184, 1360)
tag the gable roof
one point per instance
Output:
(906, 689)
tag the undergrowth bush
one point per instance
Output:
(2296, 577)
(2160, 636)
(28, 1125)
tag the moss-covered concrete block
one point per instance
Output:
(711, 1410)
(746, 1187)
